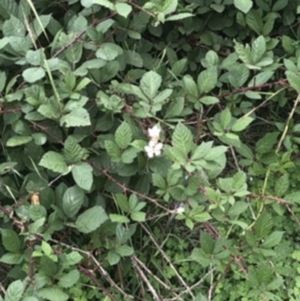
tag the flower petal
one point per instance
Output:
(154, 133)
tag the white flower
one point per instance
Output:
(157, 149)
(179, 210)
(153, 149)
(154, 133)
(149, 151)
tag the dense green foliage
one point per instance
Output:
(149, 150)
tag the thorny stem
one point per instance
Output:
(91, 275)
(281, 82)
(144, 278)
(168, 261)
(126, 189)
(99, 267)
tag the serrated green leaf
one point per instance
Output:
(293, 79)
(267, 142)
(113, 257)
(90, 64)
(199, 256)
(182, 139)
(138, 216)
(105, 3)
(39, 138)
(40, 24)
(179, 16)
(282, 185)
(254, 21)
(82, 84)
(11, 258)
(13, 27)
(69, 279)
(178, 155)
(241, 123)
(190, 86)
(34, 74)
(139, 206)
(215, 153)
(243, 5)
(14, 291)
(49, 111)
(76, 118)
(129, 155)
(83, 175)
(279, 5)
(46, 248)
(160, 98)
(263, 225)
(261, 78)
(133, 58)
(34, 57)
(37, 211)
(288, 45)
(54, 161)
(123, 9)
(174, 176)
(109, 71)
(209, 100)
(225, 118)
(207, 80)
(201, 150)
(243, 52)
(122, 202)
(52, 294)
(168, 6)
(73, 258)
(150, 83)
(177, 192)
(10, 240)
(238, 208)
(179, 66)
(189, 223)
(72, 201)
(36, 226)
(91, 219)
(200, 216)
(239, 180)
(123, 135)
(109, 51)
(133, 201)
(175, 108)
(113, 151)
(258, 49)
(264, 273)
(273, 239)
(117, 218)
(73, 152)
(18, 140)
(207, 242)
(125, 250)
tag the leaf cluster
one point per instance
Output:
(214, 216)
